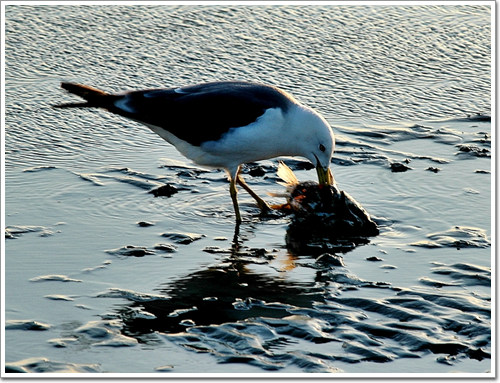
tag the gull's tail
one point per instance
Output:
(93, 97)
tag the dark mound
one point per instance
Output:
(325, 213)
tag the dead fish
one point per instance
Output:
(323, 210)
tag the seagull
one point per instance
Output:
(224, 124)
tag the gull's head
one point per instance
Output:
(315, 141)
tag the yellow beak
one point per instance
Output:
(325, 176)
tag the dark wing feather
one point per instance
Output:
(202, 112)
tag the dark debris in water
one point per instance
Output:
(164, 191)
(183, 238)
(131, 251)
(374, 259)
(141, 251)
(473, 150)
(398, 167)
(433, 169)
(257, 170)
(478, 354)
(144, 224)
(189, 174)
(299, 165)
(479, 117)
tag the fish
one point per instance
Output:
(323, 210)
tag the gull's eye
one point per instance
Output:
(322, 147)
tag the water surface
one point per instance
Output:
(101, 276)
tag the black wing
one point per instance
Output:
(202, 112)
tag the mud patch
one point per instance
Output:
(28, 325)
(183, 238)
(457, 237)
(44, 365)
(131, 251)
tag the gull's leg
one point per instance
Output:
(233, 176)
(263, 206)
(234, 197)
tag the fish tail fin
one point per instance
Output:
(273, 194)
(286, 174)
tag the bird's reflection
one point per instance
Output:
(301, 239)
(227, 292)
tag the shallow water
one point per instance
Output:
(101, 276)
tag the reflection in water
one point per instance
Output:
(300, 241)
(242, 316)
(222, 294)
(231, 291)
(227, 292)
(302, 237)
